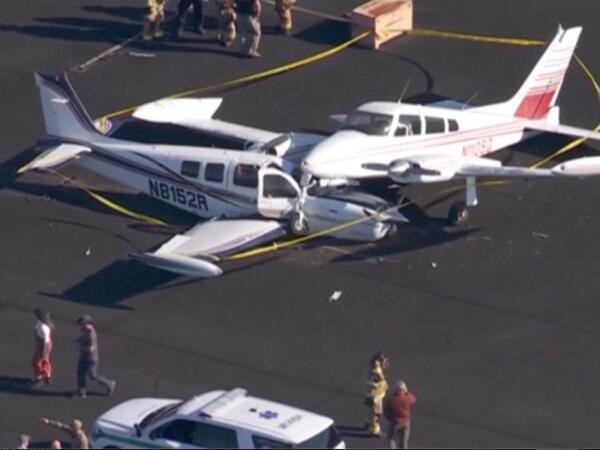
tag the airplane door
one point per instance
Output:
(277, 193)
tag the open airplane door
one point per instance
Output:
(278, 193)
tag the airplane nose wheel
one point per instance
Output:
(458, 214)
(298, 224)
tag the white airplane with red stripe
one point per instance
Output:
(413, 144)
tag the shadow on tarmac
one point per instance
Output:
(326, 32)
(354, 432)
(114, 283)
(22, 386)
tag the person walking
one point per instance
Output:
(182, 9)
(283, 8)
(249, 26)
(42, 367)
(78, 437)
(376, 389)
(227, 18)
(154, 20)
(397, 412)
(89, 359)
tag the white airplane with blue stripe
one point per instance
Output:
(250, 195)
(415, 144)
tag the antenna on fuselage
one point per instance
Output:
(471, 98)
(404, 90)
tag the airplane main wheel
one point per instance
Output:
(298, 225)
(458, 214)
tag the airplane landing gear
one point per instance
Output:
(458, 214)
(298, 224)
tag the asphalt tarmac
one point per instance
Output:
(494, 326)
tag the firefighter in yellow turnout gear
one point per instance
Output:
(227, 18)
(377, 387)
(284, 11)
(153, 23)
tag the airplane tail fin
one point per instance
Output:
(539, 92)
(64, 115)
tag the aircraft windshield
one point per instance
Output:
(368, 123)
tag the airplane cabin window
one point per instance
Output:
(369, 123)
(412, 125)
(214, 172)
(246, 175)
(452, 125)
(276, 186)
(190, 169)
(434, 125)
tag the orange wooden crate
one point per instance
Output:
(386, 18)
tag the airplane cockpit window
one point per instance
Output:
(408, 125)
(369, 123)
(245, 175)
(190, 169)
(452, 125)
(214, 172)
(434, 125)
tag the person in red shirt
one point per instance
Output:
(397, 412)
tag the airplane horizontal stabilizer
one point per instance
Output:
(55, 156)
(562, 129)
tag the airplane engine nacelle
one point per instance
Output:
(423, 178)
(365, 224)
(404, 171)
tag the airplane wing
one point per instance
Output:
(579, 167)
(562, 129)
(196, 252)
(435, 168)
(196, 114)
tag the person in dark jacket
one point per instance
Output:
(182, 9)
(89, 359)
(397, 412)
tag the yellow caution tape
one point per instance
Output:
(108, 203)
(476, 37)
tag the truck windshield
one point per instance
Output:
(369, 123)
(328, 438)
(160, 412)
